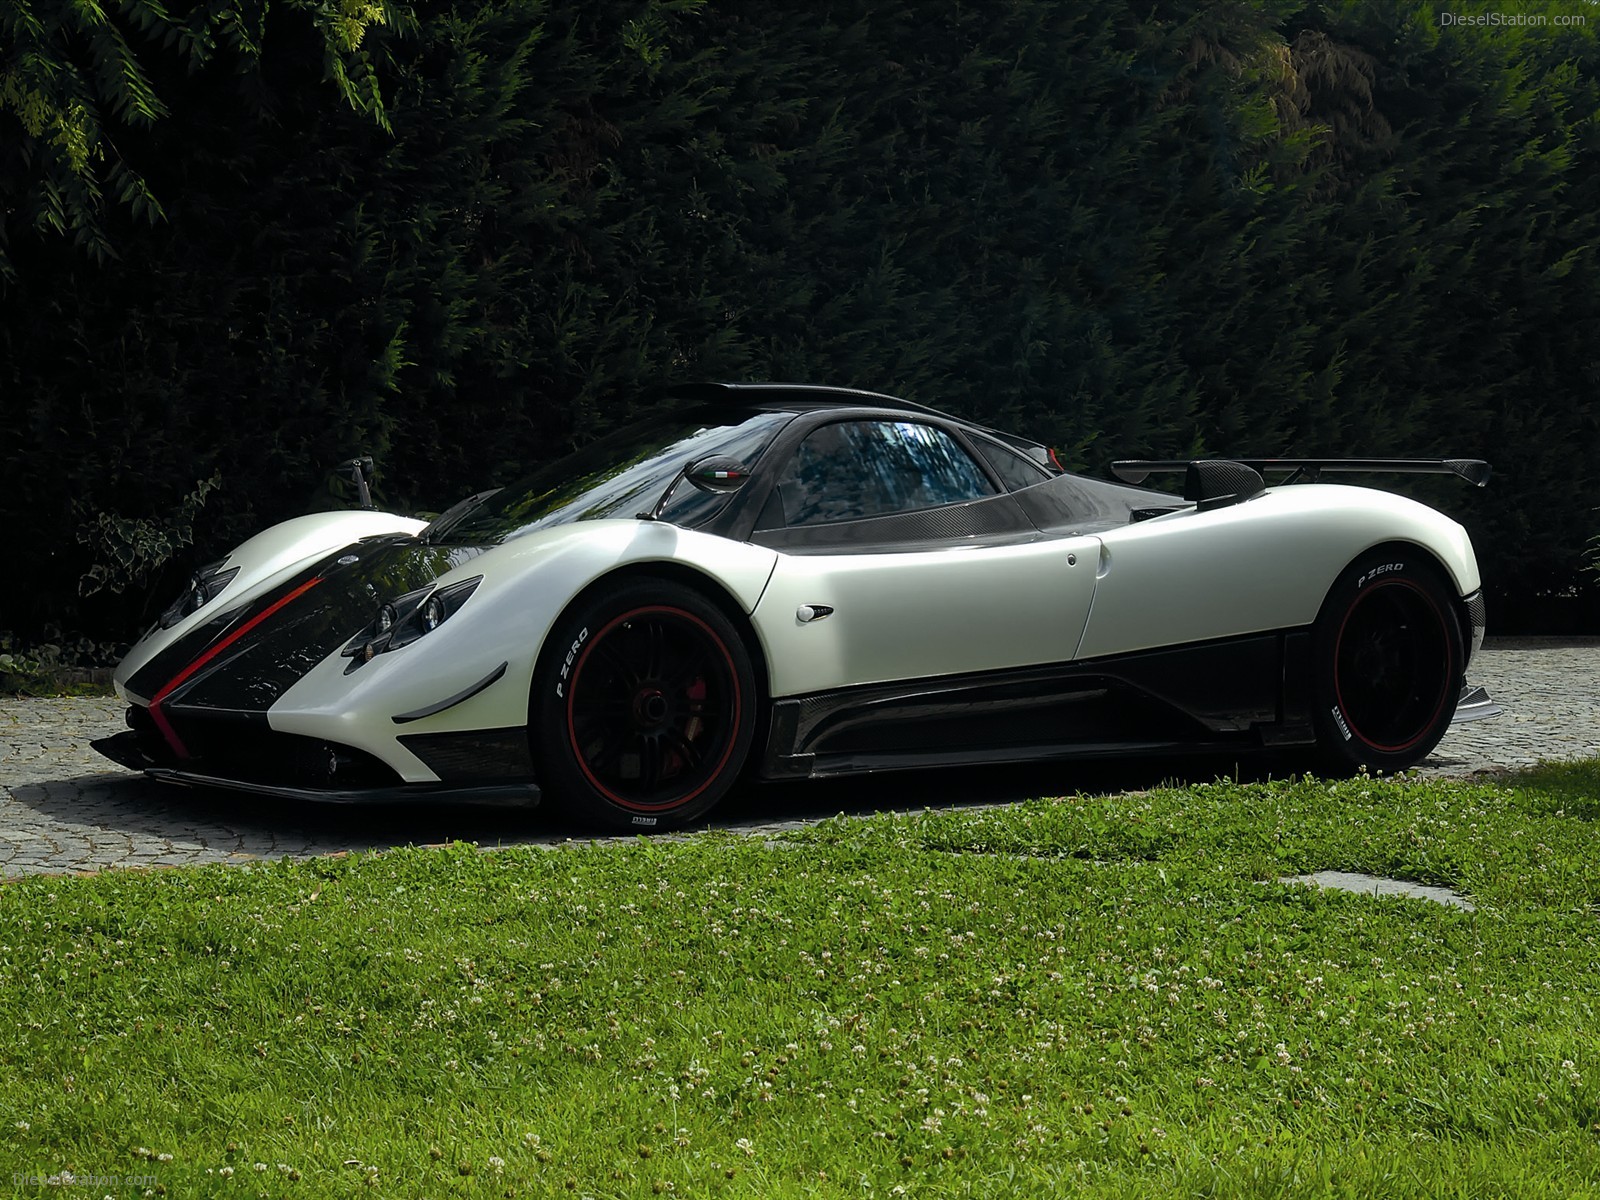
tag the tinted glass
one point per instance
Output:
(1016, 470)
(854, 469)
(618, 476)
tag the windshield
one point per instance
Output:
(621, 475)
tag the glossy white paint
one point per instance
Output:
(1264, 564)
(527, 584)
(933, 612)
(264, 561)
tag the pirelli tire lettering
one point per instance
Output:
(1338, 719)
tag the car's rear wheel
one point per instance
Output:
(644, 707)
(1388, 660)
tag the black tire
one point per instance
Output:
(1388, 661)
(643, 708)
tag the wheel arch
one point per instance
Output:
(706, 585)
(1449, 576)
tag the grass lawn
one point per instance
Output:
(1080, 996)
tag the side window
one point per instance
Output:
(1016, 471)
(853, 469)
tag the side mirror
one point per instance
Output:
(719, 473)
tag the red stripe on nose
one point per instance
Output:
(160, 718)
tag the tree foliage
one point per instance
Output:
(77, 77)
(1161, 228)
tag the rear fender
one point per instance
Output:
(1264, 564)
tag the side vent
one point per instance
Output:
(1218, 482)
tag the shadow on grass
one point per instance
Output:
(1570, 788)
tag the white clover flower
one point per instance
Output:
(745, 1145)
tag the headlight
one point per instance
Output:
(205, 585)
(433, 613)
(407, 618)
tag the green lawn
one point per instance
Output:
(1079, 996)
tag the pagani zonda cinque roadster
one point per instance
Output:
(799, 582)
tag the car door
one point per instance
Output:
(901, 558)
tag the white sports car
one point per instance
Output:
(802, 582)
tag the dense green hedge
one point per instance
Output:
(1166, 228)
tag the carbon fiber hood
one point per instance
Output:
(242, 660)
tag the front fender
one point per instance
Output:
(264, 561)
(527, 584)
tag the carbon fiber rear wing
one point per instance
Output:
(1474, 470)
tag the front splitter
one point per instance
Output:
(504, 795)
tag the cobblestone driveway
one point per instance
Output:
(64, 809)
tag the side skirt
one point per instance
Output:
(1226, 694)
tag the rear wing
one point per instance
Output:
(1474, 470)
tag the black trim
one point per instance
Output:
(1219, 482)
(474, 755)
(748, 509)
(1477, 613)
(1071, 505)
(780, 395)
(828, 766)
(1474, 470)
(126, 749)
(505, 794)
(439, 706)
(992, 520)
(1233, 692)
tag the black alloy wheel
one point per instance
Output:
(645, 704)
(1389, 662)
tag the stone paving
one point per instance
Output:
(65, 809)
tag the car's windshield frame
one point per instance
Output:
(622, 474)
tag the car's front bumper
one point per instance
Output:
(313, 773)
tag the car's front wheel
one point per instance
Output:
(643, 708)
(1388, 659)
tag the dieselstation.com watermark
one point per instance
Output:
(1514, 19)
(68, 1179)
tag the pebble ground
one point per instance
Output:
(64, 809)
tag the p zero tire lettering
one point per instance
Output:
(572, 653)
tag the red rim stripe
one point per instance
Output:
(1444, 695)
(572, 698)
(216, 648)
